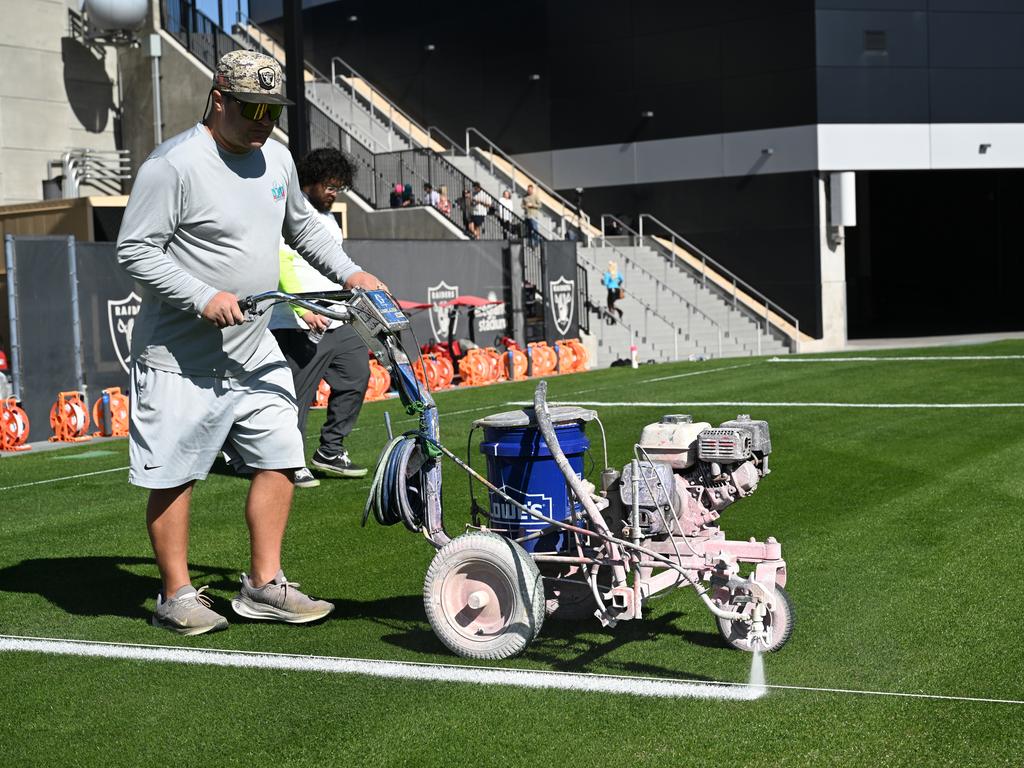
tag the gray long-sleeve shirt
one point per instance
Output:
(202, 220)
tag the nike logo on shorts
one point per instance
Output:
(155, 466)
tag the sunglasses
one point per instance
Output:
(259, 111)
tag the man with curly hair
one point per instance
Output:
(315, 347)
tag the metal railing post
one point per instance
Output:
(12, 312)
(76, 322)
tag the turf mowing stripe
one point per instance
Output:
(918, 358)
(66, 477)
(697, 373)
(754, 404)
(448, 673)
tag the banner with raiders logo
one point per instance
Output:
(437, 271)
(561, 310)
(59, 350)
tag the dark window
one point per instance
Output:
(874, 41)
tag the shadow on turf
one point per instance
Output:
(566, 646)
(100, 586)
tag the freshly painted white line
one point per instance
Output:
(697, 373)
(910, 359)
(450, 673)
(760, 404)
(66, 477)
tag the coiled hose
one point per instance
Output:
(395, 495)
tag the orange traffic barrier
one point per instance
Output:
(13, 426)
(519, 365)
(380, 381)
(323, 391)
(116, 414)
(544, 358)
(475, 368)
(426, 371)
(580, 351)
(69, 418)
(494, 359)
(445, 371)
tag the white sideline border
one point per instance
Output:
(759, 404)
(447, 673)
(891, 359)
(586, 682)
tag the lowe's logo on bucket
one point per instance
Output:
(502, 510)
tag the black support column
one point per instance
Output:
(298, 128)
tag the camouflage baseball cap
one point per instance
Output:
(250, 76)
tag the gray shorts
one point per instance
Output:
(179, 423)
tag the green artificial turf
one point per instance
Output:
(901, 528)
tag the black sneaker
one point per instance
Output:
(340, 465)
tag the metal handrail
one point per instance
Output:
(580, 217)
(676, 330)
(269, 46)
(100, 168)
(453, 146)
(393, 109)
(737, 282)
(641, 268)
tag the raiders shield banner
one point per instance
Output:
(121, 319)
(436, 296)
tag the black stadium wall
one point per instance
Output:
(708, 68)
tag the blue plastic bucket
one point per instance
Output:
(520, 464)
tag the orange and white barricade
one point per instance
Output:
(445, 371)
(425, 369)
(514, 365)
(379, 383)
(13, 426)
(543, 358)
(69, 418)
(323, 391)
(110, 414)
(475, 368)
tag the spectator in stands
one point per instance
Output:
(407, 197)
(505, 212)
(430, 195)
(201, 229)
(396, 196)
(482, 204)
(339, 357)
(466, 201)
(531, 210)
(444, 205)
(612, 280)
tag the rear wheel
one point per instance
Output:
(779, 620)
(484, 596)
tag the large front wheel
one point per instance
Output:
(484, 596)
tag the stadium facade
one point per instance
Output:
(726, 120)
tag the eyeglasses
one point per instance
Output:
(331, 189)
(258, 111)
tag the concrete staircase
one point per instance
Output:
(671, 315)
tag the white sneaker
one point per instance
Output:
(304, 479)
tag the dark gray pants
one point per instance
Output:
(341, 360)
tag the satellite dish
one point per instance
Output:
(114, 20)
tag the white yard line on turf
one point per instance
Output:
(758, 404)
(450, 673)
(698, 373)
(911, 359)
(66, 477)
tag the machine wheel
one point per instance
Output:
(484, 596)
(780, 619)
